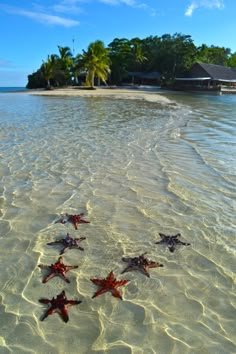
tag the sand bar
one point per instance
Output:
(140, 93)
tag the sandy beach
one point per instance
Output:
(140, 93)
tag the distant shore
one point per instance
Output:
(153, 94)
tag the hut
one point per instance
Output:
(142, 78)
(207, 77)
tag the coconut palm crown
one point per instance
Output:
(96, 62)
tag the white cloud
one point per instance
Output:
(67, 9)
(131, 3)
(67, 6)
(190, 9)
(48, 19)
(208, 4)
(119, 2)
(41, 16)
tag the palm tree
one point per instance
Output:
(48, 69)
(137, 56)
(96, 62)
(77, 68)
(65, 63)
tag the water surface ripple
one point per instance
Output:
(136, 169)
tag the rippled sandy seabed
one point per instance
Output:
(135, 168)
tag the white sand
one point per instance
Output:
(150, 94)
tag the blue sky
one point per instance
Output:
(30, 30)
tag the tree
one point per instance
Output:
(48, 68)
(232, 60)
(173, 55)
(213, 55)
(65, 64)
(119, 53)
(96, 62)
(136, 55)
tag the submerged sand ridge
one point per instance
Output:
(142, 93)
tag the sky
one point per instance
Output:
(32, 30)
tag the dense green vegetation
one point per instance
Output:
(170, 55)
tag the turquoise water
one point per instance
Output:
(12, 89)
(136, 169)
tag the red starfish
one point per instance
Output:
(109, 284)
(73, 219)
(60, 305)
(57, 268)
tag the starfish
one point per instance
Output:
(57, 268)
(172, 241)
(109, 284)
(69, 243)
(73, 219)
(140, 263)
(58, 304)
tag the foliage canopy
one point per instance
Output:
(170, 55)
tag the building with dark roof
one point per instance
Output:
(142, 78)
(209, 77)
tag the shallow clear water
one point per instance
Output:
(136, 169)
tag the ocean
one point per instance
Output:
(12, 89)
(135, 169)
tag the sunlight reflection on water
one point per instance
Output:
(135, 169)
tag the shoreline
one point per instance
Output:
(148, 93)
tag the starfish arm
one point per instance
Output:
(162, 235)
(83, 221)
(144, 271)
(98, 282)
(52, 243)
(121, 282)
(67, 268)
(48, 277)
(126, 259)
(151, 266)
(45, 315)
(64, 250)
(64, 277)
(128, 269)
(73, 302)
(64, 314)
(43, 266)
(171, 248)
(116, 293)
(44, 301)
(158, 242)
(63, 219)
(80, 248)
(100, 292)
(154, 265)
(111, 276)
(184, 243)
